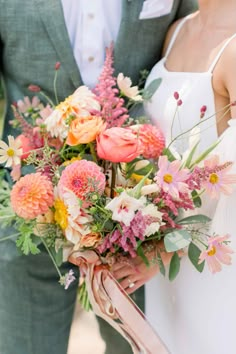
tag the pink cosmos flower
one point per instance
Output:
(83, 178)
(219, 179)
(170, 177)
(216, 253)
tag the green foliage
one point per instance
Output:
(196, 199)
(27, 242)
(83, 297)
(195, 219)
(174, 266)
(149, 91)
(194, 254)
(177, 240)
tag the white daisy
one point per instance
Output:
(11, 153)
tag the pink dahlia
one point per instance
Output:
(32, 196)
(82, 177)
(151, 140)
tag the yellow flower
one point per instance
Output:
(68, 162)
(61, 214)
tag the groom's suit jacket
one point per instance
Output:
(33, 37)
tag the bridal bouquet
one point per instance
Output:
(102, 181)
(103, 186)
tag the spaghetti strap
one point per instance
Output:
(220, 53)
(175, 34)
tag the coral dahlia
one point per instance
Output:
(151, 140)
(32, 196)
(82, 178)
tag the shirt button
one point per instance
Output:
(91, 16)
(90, 59)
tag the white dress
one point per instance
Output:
(196, 313)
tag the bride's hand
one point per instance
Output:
(134, 273)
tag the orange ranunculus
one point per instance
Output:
(118, 145)
(85, 129)
(90, 240)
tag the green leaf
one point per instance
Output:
(141, 254)
(174, 266)
(26, 245)
(194, 254)
(169, 154)
(190, 156)
(194, 219)
(149, 91)
(136, 191)
(204, 154)
(196, 199)
(160, 263)
(177, 240)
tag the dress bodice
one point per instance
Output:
(195, 91)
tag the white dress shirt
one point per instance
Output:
(92, 25)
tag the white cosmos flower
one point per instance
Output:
(11, 153)
(124, 83)
(124, 207)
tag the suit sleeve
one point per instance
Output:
(186, 7)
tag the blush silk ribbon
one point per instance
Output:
(112, 303)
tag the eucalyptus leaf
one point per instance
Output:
(194, 219)
(194, 254)
(177, 240)
(174, 266)
(149, 91)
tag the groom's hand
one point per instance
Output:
(134, 273)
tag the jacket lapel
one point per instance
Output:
(51, 13)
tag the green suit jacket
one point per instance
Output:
(33, 37)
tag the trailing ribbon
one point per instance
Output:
(112, 303)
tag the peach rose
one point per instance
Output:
(118, 145)
(85, 129)
(90, 240)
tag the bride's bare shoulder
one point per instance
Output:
(169, 35)
(172, 29)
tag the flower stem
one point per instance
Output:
(47, 98)
(51, 256)
(93, 152)
(9, 237)
(113, 179)
(55, 87)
